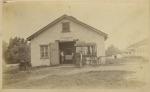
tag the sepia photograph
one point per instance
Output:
(76, 44)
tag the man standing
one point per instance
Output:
(62, 57)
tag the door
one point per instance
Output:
(54, 53)
(68, 50)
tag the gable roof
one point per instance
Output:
(69, 18)
(139, 43)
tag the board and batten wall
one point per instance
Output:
(55, 33)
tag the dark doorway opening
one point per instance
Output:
(68, 50)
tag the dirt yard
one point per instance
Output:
(121, 75)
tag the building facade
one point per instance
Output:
(62, 35)
(140, 48)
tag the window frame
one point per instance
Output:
(44, 52)
(90, 50)
(65, 27)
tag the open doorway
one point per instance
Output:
(67, 50)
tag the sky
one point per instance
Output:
(125, 21)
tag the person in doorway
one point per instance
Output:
(62, 57)
(73, 58)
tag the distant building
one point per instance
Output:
(61, 36)
(141, 48)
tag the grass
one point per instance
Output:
(91, 79)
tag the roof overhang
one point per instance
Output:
(71, 19)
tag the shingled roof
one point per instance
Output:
(71, 19)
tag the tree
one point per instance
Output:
(112, 50)
(4, 50)
(12, 51)
(18, 49)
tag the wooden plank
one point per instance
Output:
(54, 53)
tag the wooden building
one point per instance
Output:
(64, 35)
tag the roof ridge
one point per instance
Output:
(71, 18)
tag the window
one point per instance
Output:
(44, 51)
(66, 27)
(87, 50)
